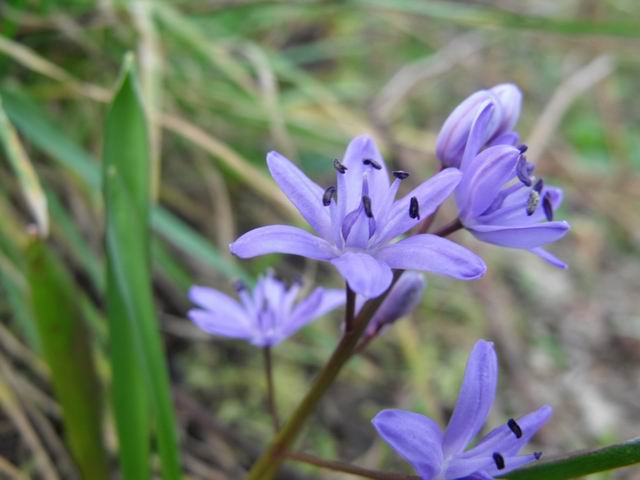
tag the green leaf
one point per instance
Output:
(27, 178)
(140, 378)
(67, 349)
(578, 464)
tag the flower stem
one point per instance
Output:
(347, 468)
(267, 465)
(271, 395)
(449, 228)
(350, 309)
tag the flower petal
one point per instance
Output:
(512, 463)
(401, 300)
(461, 467)
(305, 194)
(435, 254)
(430, 194)
(481, 130)
(549, 257)
(524, 236)
(483, 179)
(222, 325)
(281, 239)
(366, 275)
(474, 400)
(416, 438)
(215, 301)
(361, 148)
(510, 99)
(320, 302)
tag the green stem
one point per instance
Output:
(347, 468)
(350, 309)
(269, 462)
(271, 395)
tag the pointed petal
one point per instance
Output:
(550, 258)
(474, 400)
(360, 148)
(366, 275)
(401, 300)
(281, 239)
(526, 236)
(220, 324)
(511, 463)
(510, 99)
(416, 438)
(430, 194)
(483, 179)
(215, 301)
(320, 302)
(507, 138)
(463, 467)
(431, 253)
(301, 191)
(482, 129)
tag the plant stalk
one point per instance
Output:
(271, 391)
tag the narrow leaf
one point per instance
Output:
(67, 349)
(579, 464)
(136, 344)
(25, 173)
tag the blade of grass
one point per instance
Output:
(126, 177)
(579, 464)
(27, 177)
(67, 350)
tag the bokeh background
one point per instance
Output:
(225, 82)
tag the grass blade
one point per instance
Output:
(126, 182)
(67, 350)
(580, 464)
(25, 173)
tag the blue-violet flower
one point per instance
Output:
(437, 455)
(264, 317)
(358, 219)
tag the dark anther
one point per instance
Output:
(414, 208)
(328, 194)
(373, 163)
(400, 174)
(339, 166)
(515, 428)
(539, 185)
(547, 206)
(240, 286)
(538, 455)
(532, 202)
(499, 459)
(366, 204)
(522, 171)
(523, 148)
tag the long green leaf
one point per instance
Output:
(135, 339)
(67, 349)
(27, 177)
(579, 464)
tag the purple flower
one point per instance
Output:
(358, 219)
(264, 317)
(499, 200)
(401, 300)
(503, 103)
(437, 455)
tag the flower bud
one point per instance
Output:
(403, 298)
(454, 134)
(510, 99)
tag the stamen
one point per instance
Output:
(400, 174)
(366, 203)
(539, 185)
(523, 147)
(515, 428)
(328, 194)
(372, 162)
(538, 455)
(340, 168)
(547, 206)
(499, 459)
(532, 202)
(240, 286)
(521, 171)
(414, 208)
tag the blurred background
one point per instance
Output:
(224, 82)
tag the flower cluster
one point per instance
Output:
(366, 230)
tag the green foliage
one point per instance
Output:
(140, 381)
